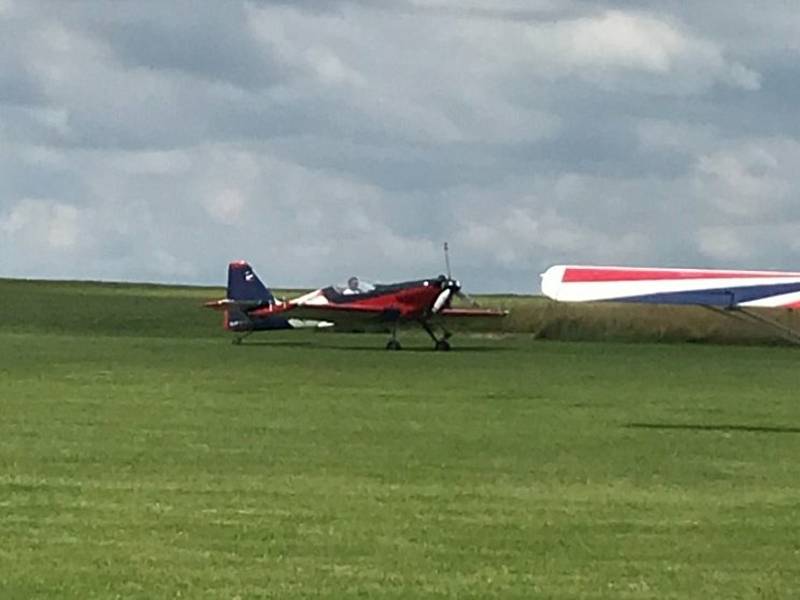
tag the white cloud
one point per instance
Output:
(497, 5)
(612, 49)
(639, 42)
(738, 75)
(675, 134)
(614, 39)
(330, 68)
(752, 180)
(153, 163)
(311, 55)
(226, 206)
(434, 91)
(49, 224)
(724, 244)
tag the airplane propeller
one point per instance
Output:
(450, 287)
(447, 260)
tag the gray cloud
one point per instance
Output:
(154, 141)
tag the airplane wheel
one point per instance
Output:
(237, 341)
(443, 345)
(393, 345)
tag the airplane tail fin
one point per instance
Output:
(245, 286)
(245, 292)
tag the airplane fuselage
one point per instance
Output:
(410, 300)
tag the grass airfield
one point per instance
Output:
(143, 456)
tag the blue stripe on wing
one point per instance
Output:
(727, 297)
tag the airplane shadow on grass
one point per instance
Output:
(720, 427)
(275, 344)
(364, 347)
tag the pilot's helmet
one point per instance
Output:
(352, 283)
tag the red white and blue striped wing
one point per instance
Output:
(672, 286)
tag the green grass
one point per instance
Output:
(143, 456)
(610, 321)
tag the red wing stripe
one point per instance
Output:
(587, 275)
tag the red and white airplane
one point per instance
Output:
(250, 306)
(732, 291)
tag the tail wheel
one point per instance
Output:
(442, 345)
(393, 345)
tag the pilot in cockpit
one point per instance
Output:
(352, 287)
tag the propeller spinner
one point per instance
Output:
(454, 284)
(450, 287)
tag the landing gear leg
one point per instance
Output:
(393, 344)
(237, 341)
(441, 344)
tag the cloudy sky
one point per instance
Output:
(156, 141)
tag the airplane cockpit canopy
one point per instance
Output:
(354, 285)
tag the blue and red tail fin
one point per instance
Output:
(245, 286)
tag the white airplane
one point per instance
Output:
(731, 291)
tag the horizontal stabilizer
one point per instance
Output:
(722, 288)
(227, 303)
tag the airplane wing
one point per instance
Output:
(721, 288)
(350, 314)
(339, 315)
